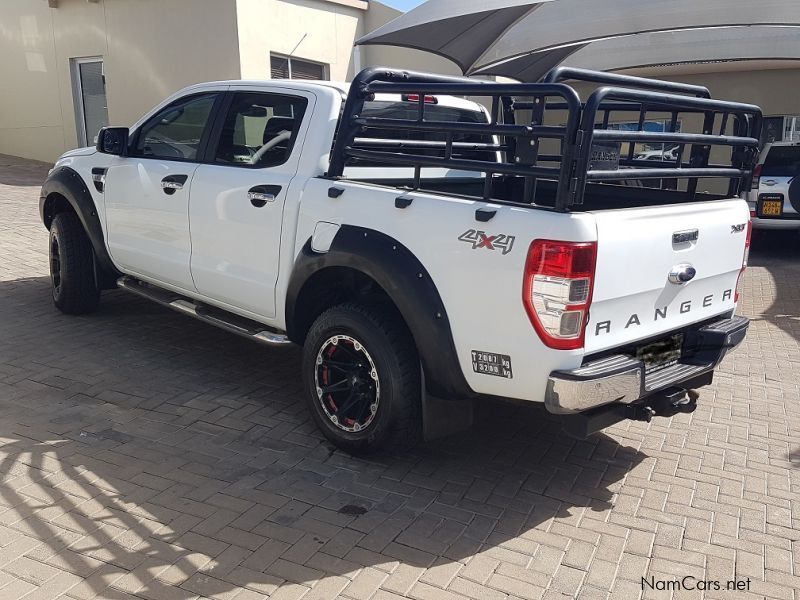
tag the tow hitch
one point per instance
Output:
(667, 403)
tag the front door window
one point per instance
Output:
(176, 132)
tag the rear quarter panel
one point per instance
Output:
(481, 288)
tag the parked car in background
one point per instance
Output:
(775, 198)
(666, 154)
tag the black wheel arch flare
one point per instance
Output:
(407, 283)
(67, 183)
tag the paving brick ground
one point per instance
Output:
(143, 454)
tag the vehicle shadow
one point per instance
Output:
(161, 456)
(779, 253)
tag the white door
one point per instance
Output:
(147, 192)
(237, 202)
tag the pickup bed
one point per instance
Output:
(422, 248)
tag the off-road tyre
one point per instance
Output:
(72, 272)
(387, 347)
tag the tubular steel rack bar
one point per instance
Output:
(660, 138)
(512, 149)
(412, 160)
(380, 80)
(477, 128)
(742, 162)
(376, 142)
(572, 74)
(612, 107)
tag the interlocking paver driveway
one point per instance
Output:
(143, 454)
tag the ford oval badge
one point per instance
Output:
(682, 273)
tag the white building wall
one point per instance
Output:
(150, 49)
(277, 26)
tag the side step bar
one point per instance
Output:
(214, 316)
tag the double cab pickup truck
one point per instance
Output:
(421, 246)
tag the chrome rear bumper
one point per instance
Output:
(622, 379)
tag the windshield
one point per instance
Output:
(782, 161)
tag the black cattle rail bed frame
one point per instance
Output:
(585, 133)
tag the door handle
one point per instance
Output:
(261, 194)
(172, 183)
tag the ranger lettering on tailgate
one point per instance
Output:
(661, 313)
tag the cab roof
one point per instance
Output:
(339, 86)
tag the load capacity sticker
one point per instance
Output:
(489, 363)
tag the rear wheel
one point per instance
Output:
(74, 285)
(362, 378)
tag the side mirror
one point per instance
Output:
(113, 140)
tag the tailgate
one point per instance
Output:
(637, 249)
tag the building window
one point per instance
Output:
(285, 67)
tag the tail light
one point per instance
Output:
(557, 290)
(744, 260)
(757, 176)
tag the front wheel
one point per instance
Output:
(362, 378)
(74, 285)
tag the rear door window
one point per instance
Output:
(782, 161)
(260, 129)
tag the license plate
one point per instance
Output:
(771, 206)
(661, 354)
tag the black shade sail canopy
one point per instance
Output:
(523, 40)
(686, 47)
(459, 30)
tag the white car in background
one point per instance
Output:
(668, 155)
(775, 198)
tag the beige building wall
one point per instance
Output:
(31, 122)
(157, 47)
(278, 26)
(150, 49)
(776, 91)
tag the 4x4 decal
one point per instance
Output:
(479, 239)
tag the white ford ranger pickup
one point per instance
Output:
(422, 248)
